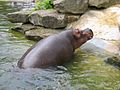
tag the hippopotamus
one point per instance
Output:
(54, 50)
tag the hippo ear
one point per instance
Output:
(76, 33)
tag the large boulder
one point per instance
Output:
(105, 23)
(106, 27)
(102, 3)
(71, 6)
(48, 18)
(19, 17)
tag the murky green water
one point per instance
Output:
(87, 72)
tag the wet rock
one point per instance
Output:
(48, 18)
(102, 3)
(20, 27)
(34, 32)
(19, 17)
(17, 27)
(40, 33)
(113, 60)
(71, 6)
(3, 17)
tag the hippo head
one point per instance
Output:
(81, 36)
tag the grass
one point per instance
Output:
(45, 4)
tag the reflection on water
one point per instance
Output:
(86, 72)
(90, 72)
(5, 8)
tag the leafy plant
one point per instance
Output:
(45, 4)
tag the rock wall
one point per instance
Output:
(65, 11)
(71, 6)
(81, 6)
(103, 3)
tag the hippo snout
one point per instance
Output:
(88, 33)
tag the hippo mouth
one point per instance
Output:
(90, 37)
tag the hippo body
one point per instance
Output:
(54, 50)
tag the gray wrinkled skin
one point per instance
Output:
(54, 50)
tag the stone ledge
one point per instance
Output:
(40, 33)
(35, 32)
(19, 17)
(48, 18)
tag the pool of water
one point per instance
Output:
(87, 71)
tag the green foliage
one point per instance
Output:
(45, 4)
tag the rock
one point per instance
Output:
(48, 18)
(34, 32)
(40, 33)
(102, 46)
(113, 60)
(99, 3)
(27, 27)
(108, 50)
(19, 27)
(72, 18)
(71, 6)
(105, 25)
(3, 17)
(102, 3)
(19, 17)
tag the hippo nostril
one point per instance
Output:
(89, 30)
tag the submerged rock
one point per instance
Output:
(113, 60)
(48, 18)
(17, 27)
(71, 6)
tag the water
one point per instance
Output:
(88, 71)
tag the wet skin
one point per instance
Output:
(54, 50)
